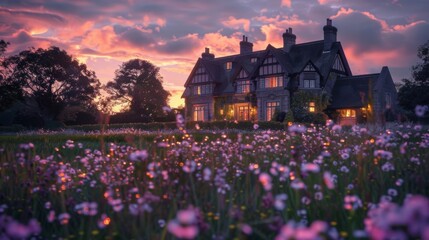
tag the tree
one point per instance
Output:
(415, 92)
(53, 79)
(138, 84)
(10, 92)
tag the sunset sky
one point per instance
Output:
(172, 34)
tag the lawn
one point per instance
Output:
(300, 183)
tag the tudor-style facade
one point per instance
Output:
(253, 85)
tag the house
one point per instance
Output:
(254, 85)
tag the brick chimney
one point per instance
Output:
(245, 46)
(207, 55)
(329, 35)
(289, 39)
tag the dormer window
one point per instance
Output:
(228, 65)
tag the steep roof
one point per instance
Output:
(353, 92)
(293, 62)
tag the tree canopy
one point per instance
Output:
(415, 91)
(10, 92)
(52, 79)
(138, 84)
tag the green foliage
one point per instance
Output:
(300, 107)
(101, 171)
(415, 92)
(138, 84)
(53, 79)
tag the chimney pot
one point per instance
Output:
(207, 55)
(246, 46)
(289, 39)
(329, 35)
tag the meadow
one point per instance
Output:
(304, 182)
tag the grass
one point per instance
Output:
(216, 177)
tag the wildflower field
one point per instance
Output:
(319, 182)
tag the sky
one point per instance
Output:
(172, 34)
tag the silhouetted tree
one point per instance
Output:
(138, 84)
(53, 79)
(415, 92)
(10, 92)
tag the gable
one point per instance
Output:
(338, 64)
(201, 75)
(242, 74)
(270, 66)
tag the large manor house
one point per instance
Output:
(255, 85)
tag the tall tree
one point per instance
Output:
(138, 84)
(414, 92)
(10, 92)
(53, 79)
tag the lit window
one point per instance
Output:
(348, 113)
(243, 113)
(203, 89)
(228, 65)
(243, 86)
(271, 82)
(200, 112)
(271, 109)
(311, 107)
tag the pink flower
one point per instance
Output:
(329, 180)
(265, 180)
(310, 167)
(139, 155)
(187, 216)
(185, 232)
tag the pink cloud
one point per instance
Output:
(237, 23)
(407, 26)
(286, 3)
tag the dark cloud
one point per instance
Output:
(181, 46)
(359, 30)
(137, 37)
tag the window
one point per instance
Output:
(201, 112)
(271, 109)
(309, 80)
(200, 76)
(243, 113)
(243, 86)
(253, 60)
(228, 65)
(348, 113)
(311, 107)
(388, 100)
(271, 82)
(309, 83)
(203, 89)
